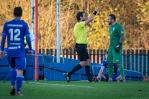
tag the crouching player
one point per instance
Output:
(103, 72)
(104, 66)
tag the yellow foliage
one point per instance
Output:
(132, 14)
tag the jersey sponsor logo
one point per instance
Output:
(14, 48)
(15, 43)
(15, 25)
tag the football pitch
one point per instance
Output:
(78, 90)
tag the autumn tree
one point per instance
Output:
(132, 14)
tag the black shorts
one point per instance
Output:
(82, 52)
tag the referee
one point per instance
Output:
(80, 34)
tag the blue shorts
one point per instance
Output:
(17, 63)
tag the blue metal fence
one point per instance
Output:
(134, 60)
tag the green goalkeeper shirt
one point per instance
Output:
(116, 31)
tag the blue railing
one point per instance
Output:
(134, 60)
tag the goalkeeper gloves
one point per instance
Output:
(117, 48)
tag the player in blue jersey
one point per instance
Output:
(103, 67)
(15, 30)
(103, 72)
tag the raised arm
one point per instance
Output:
(90, 19)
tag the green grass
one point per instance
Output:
(79, 90)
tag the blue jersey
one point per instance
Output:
(15, 30)
(104, 63)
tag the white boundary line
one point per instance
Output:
(62, 85)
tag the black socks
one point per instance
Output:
(76, 68)
(87, 70)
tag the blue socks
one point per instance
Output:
(13, 77)
(19, 80)
(16, 78)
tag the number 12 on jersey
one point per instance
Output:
(14, 34)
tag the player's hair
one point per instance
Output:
(17, 11)
(113, 17)
(79, 14)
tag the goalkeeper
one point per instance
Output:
(115, 48)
